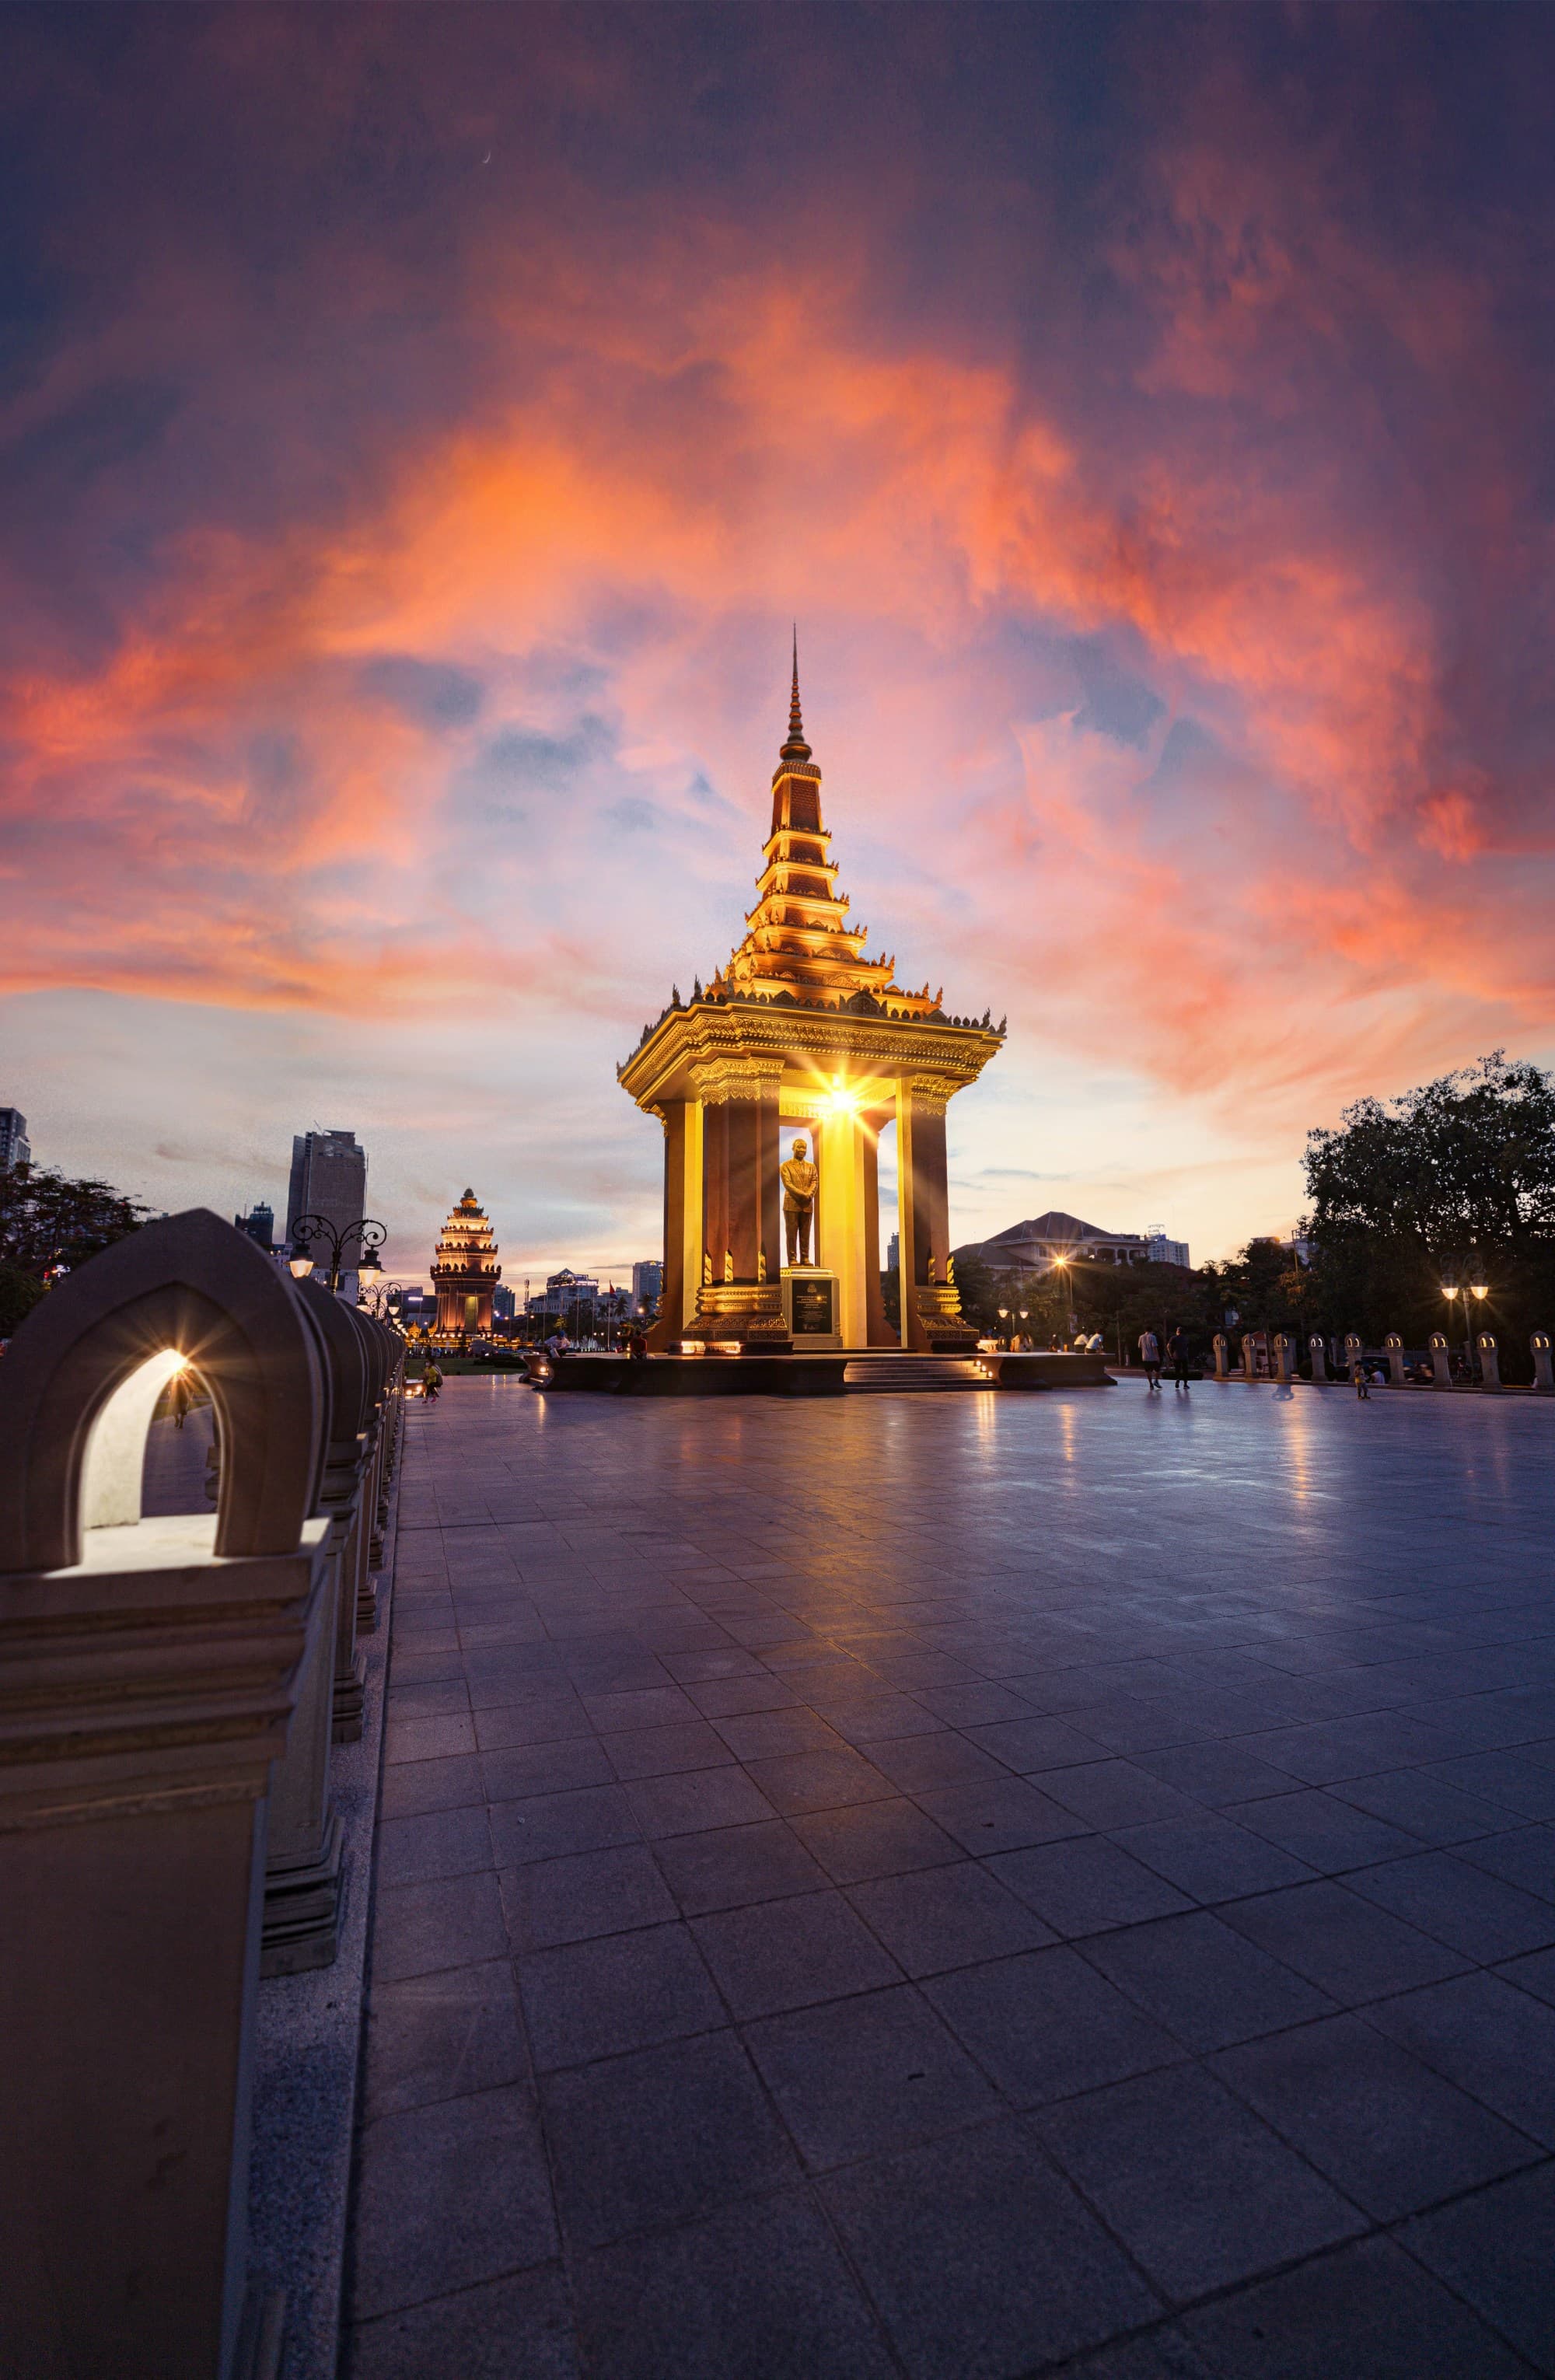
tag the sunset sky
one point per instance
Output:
(419, 428)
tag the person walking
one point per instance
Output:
(183, 1397)
(1357, 1372)
(1149, 1356)
(432, 1383)
(1177, 1348)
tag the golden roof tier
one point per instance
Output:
(801, 1028)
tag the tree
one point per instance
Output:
(1414, 1194)
(19, 1293)
(48, 1220)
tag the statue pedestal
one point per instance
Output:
(810, 1305)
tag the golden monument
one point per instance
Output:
(800, 1028)
(465, 1271)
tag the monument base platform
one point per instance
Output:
(810, 1376)
(694, 1376)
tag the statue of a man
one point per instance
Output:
(798, 1178)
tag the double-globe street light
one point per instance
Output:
(370, 1235)
(1469, 1285)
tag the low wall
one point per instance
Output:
(698, 1375)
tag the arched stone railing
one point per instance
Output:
(82, 1377)
(149, 1671)
(1441, 1360)
(1539, 1347)
(1319, 1354)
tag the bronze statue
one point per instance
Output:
(798, 1178)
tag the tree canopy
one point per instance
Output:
(48, 1220)
(1468, 1160)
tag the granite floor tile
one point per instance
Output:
(546, 1826)
(1534, 1973)
(1422, 1805)
(445, 2036)
(1210, 1857)
(878, 1718)
(942, 1917)
(662, 2137)
(1108, 1793)
(448, 2195)
(797, 1781)
(878, 2071)
(1045, 2025)
(1363, 2313)
(759, 2288)
(546, 1721)
(431, 1739)
(663, 1750)
(722, 1697)
(1495, 2042)
(1513, 1783)
(520, 2328)
(599, 1998)
(438, 1843)
(735, 1865)
(622, 1710)
(1387, 2130)
(1204, 1982)
(782, 1954)
(998, 1814)
(1322, 1831)
(591, 1893)
(414, 1786)
(1524, 1857)
(1036, 1743)
(1217, 1773)
(1348, 1947)
(526, 1769)
(1458, 1903)
(1497, 2249)
(760, 1735)
(1086, 1885)
(919, 1763)
(1198, 2187)
(452, 1922)
(694, 1799)
(982, 2261)
(869, 1839)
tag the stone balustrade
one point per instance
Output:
(1284, 1365)
(167, 1700)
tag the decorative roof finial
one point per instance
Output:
(795, 749)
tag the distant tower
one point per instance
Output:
(15, 1148)
(465, 1270)
(329, 1178)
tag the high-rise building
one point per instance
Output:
(893, 1252)
(14, 1147)
(504, 1302)
(1161, 1250)
(647, 1283)
(329, 1178)
(260, 1225)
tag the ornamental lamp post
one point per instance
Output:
(308, 1228)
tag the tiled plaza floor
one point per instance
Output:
(964, 1886)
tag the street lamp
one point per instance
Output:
(308, 1228)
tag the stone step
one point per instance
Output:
(876, 1373)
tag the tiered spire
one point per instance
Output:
(798, 941)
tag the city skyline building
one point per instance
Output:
(14, 1147)
(328, 1178)
(647, 1283)
(258, 1225)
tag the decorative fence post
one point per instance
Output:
(1220, 1342)
(1352, 1353)
(1394, 1346)
(1543, 1375)
(1284, 1358)
(1441, 1361)
(1320, 1355)
(1490, 1363)
(148, 1672)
